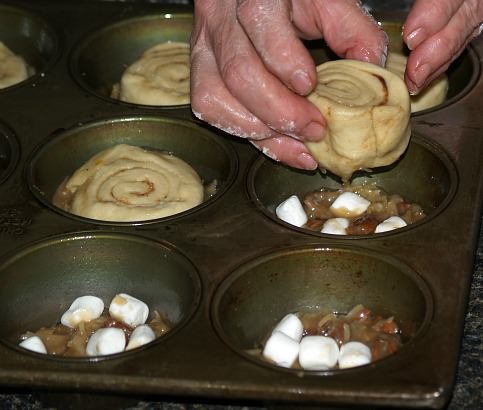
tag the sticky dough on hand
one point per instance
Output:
(128, 183)
(13, 68)
(434, 94)
(160, 77)
(367, 111)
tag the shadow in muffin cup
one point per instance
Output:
(424, 175)
(62, 154)
(99, 61)
(43, 279)
(30, 37)
(255, 296)
(9, 152)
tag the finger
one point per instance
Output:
(277, 42)
(434, 55)
(347, 28)
(213, 103)
(288, 151)
(426, 18)
(249, 81)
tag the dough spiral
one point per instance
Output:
(367, 110)
(434, 94)
(13, 68)
(160, 77)
(127, 183)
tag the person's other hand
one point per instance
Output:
(250, 71)
(437, 31)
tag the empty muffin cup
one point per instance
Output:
(258, 294)
(8, 152)
(43, 279)
(213, 159)
(29, 37)
(424, 175)
(100, 60)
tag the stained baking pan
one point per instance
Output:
(224, 272)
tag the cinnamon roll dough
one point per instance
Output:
(434, 94)
(127, 183)
(13, 68)
(367, 110)
(160, 77)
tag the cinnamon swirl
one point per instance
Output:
(367, 110)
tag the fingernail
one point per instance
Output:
(421, 74)
(415, 38)
(301, 83)
(313, 131)
(305, 161)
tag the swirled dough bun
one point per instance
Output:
(127, 183)
(13, 68)
(367, 111)
(160, 77)
(434, 94)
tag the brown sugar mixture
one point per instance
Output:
(383, 205)
(381, 335)
(64, 341)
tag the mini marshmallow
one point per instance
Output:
(108, 340)
(391, 223)
(140, 336)
(354, 354)
(292, 326)
(129, 310)
(336, 226)
(82, 309)
(34, 343)
(349, 205)
(281, 349)
(318, 353)
(292, 211)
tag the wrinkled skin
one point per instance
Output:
(250, 72)
(437, 31)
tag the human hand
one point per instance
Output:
(436, 32)
(250, 71)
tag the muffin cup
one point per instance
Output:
(424, 175)
(43, 279)
(9, 152)
(313, 278)
(29, 36)
(99, 61)
(64, 153)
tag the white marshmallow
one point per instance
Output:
(281, 349)
(349, 205)
(83, 309)
(354, 354)
(393, 222)
(140, 336)
(129, 310)
(318, 353)
(292, 326)
(34, 343)
(336, 226)
(292, 211)
(108, 340)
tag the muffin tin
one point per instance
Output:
(226, 271)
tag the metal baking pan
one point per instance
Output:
(223, 272)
